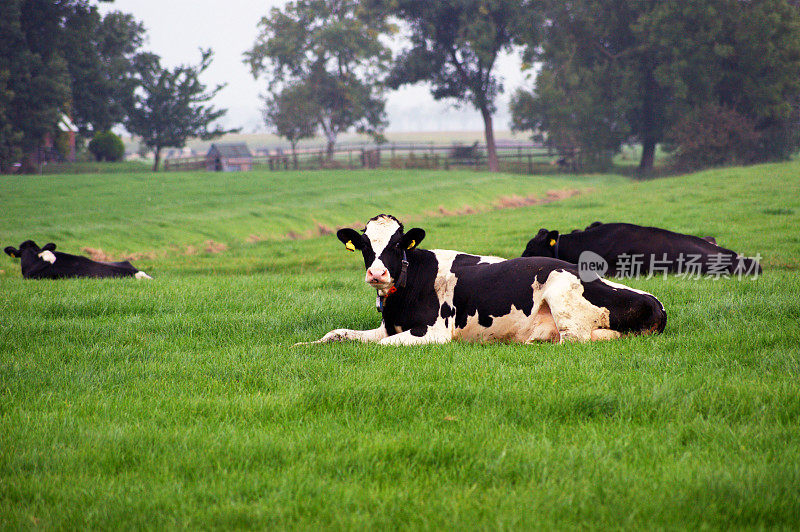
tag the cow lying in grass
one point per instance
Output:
(435, 296)
(630, 250)
(47, 263)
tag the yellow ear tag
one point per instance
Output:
(350, 245)
(412, 244)
(552, 242)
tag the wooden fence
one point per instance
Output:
(514, 157)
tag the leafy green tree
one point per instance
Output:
(454, 46)
(10, 136)
(292, 114)
(575, 118)
(596, 83)
(100, 54)
(106, 146)
(61, 57)
(713, 135)
(745, 57)
(169, 105)
(331, 47)
(34, 81)
(641, 65)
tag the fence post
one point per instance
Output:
(530, 164)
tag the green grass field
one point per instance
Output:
(178, 403)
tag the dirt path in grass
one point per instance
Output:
(504, 202)
(212, 247)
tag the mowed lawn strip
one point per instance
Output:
(178, 402)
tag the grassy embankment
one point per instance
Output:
(177, 402)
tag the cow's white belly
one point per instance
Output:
(516, 326)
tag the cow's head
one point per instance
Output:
(29, 252)
(383, 244)
(542, 245)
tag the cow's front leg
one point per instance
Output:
(572, 313)
(431, 336)
(342, 335)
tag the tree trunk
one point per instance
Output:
(648, 134)
(329, 150)
(491, 149)
(294, 155)
(157, 159)
(648, 155)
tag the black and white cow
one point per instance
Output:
(47, 263)
(435, 296)
(657, 250)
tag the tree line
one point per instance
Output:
(712, 81)
(65, 58)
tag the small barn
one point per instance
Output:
(231, 157)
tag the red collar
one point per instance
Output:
(380, 299)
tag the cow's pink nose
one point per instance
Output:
(377, 274)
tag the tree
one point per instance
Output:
(596, 84)
(61, 57)
(746, 59)
(106, 146)
(713, 135)
(34, 82)
(641, 65)
(332, 48)
(292, 114)
(100, 53)
(586, 121)
(169, 105)
(454, 47)
(10, 136)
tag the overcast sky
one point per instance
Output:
(176, 29)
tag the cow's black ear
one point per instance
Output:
(552, 239)
(12, 251)
(350, 238)
(412, 239)
(49, 247)
(541, 236)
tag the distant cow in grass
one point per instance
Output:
(435, 296)
(633, 249)
(47, 263)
